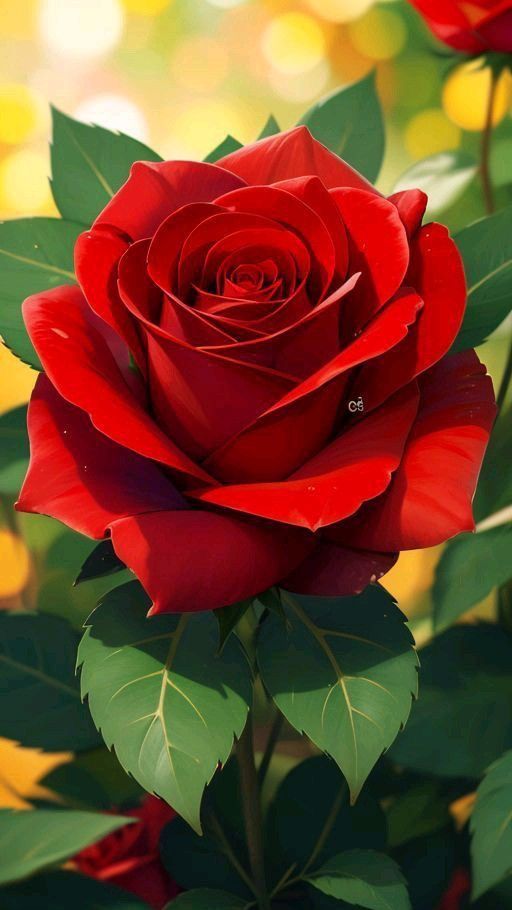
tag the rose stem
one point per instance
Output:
(250, 793)
(272, 741)
(485, 150)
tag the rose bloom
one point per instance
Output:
(474, 28)
(129, 857)
(250, 385)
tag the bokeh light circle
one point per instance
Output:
(294, 43)
(430, 132)
(380, 34)
(226, 4)
(115, 112)
(340, 10)
(146, 7)
(24, 187)
(81, 29)
(466, 94)
(199, 63)
(302, 87)
(14, 564)
(19, 114)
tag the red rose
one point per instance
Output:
(293, 418)
(129, 857)
(472, 27)
(458, 889)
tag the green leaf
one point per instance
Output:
(228, 145)
(271, 128)
(35, 254)
(14, 450)
(161, 696)
(62, 889)
(350, 123)
(43, 837)
(100, 562)
(94, 780)
(420, 810)
(344, 673)
(365, 878)
(494, 490)
(89, 164)
(40, 699)
(310, 818)
(443, 177)
(491, 827)
(486, 248)
(469, 568)
(461, 722)
(208, 899)
(228, 619)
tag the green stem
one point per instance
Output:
(485, 149)
(505, 380)
(251, 802)
(272, 742)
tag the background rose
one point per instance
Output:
(129, 857)
(258, 300)
(476, 27)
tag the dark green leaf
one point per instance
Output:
(100, 562)
(428, 864)
(228, 618)
(14, 450)
(486, 248)
(365, 878)
(161, 696)
(40, 838)
(271, 128)
(350, 123)
(228, 145)
(310, 816)
(469, 568)
(491, 827)
(76, 787)
(35, 254)
(62, 890)
(443, 177)
(89, 164)
(344, 672)
(94, 780)
(494, 490)
(208, 899)
(461, 722)
(40, 698)
(419, 810)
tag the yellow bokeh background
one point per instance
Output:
(180, 75)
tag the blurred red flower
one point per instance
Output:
(472, 27)
(458, 889)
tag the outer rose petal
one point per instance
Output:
(336, 571)
(429, 498)
(82, 368)
(496, 31)
(411, 206)
(155, 190)
(450, 24)
(79, 476)
(294, 153)
(356, 467)
(196, 560)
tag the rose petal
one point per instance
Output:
(356, 467)
(336, 571)
(79, 476)
(195, 560)
(294, 153)
(411, 206)
(165, 247)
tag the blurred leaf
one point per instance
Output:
(207, 899)
(43, 837)
(494, 490)
(491, 827)
(14, 450)
(350, 123)
(420, 810)
(161, 696)
(443, 177)
(469, 568)
(35, 254)
(486, 248)
(89, 165)
(461, 723)
(76, 787)
(501, 162)
(62, 890)
(270, 129)
(311, 815)
(428, 864)
(228, 145)
(101, 561)
(344, 673)
(365, 878)
(40, 699)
